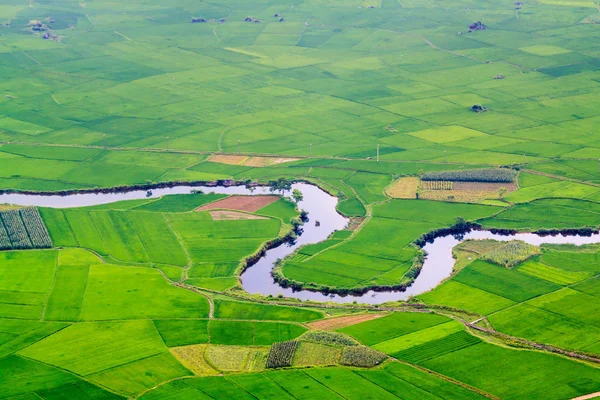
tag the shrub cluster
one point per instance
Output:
(329, 338)
(362, 356)
(511, 253)
(281, 354)
(472, 175)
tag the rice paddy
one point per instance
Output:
(416, 115)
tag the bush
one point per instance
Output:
(511, 253)
(329, 338)
(362, 356)
(472, 175)
(281, 354)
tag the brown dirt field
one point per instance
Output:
(232, 216)
(404, 188)
(227, 159)
(258, 161)
(240, 203)
(340, 322)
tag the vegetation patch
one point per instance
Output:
(23, 229)
(236, 358)
(329, 338)
(193, 357)
(315, 354)
(281, 354)
(404, 188)
(362, 356)
(511, 253)
(503, 175)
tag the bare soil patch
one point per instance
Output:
(258, 161)
(227, 159)
(221, 215)
(232, 159)
(283, 160)
(340, 322)
(404, 188)
(240, 203)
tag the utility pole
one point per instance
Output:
(310, 151)
(167, 143)
(377, 153)
(105, 141)
(524, 156)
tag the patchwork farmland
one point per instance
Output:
(245, 199)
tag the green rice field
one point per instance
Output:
(494, 105)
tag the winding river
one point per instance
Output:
(321, 207)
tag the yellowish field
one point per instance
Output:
(249, 161)
(404, 188)
(192, 357)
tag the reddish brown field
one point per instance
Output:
(240, 203)
(340, 322)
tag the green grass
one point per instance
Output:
(238, 310)
(391, 326)
(182, 332)
(526, 376)
(503, 282)
(93, 347)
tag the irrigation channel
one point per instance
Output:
(321, 207)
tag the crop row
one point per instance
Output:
(281, 354)
(472, 175)
(437, 185)
(437, 348)
(23, 229)
(38, 234)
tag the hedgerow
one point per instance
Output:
(362, 356)
(472, 175)
(281, 354)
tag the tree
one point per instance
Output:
(280, 185)
(297, 196)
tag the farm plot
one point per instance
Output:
(381, 253)
(23, 229)
(241, 203)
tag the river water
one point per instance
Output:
(321, 207)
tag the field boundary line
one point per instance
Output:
(120, 34)
(39, 63)
(81, 377)
(51, 288)
(536, 346)
(562, 178)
